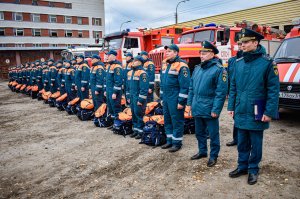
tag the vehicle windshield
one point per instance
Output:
(289, 50)
(207, 35)
(114, 43)
(187, 39)
(90, 53)
(66, 55)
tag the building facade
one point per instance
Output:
(35, 29)
(278, 15)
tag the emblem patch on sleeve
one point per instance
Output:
(118, 71)
(224, 76)
(185, 72)
(275, 67)
(144, 77)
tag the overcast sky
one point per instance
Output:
(156, 13)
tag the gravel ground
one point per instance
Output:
(45, 153)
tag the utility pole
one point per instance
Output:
(176, 14)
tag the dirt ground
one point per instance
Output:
(45, 153)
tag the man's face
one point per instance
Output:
(240, 47)
(67, 64)
(111, 57)
(78, 59)
(206, 55)
(171, 53)
(145, 57)
(128, 58)
(248, 46)
(136, 63)
(94, 60)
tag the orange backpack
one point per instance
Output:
(87, 104)
(150, 107)
(46, 95)
(23, 87)
(74, 101)
(126, 114)
(35, 88)
(19, 86)
(157, 118)
(62, 98)
(42, 91)
(55, 95)
(101, 110)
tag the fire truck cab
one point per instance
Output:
(224, 37)
(88, 51)
(287, 59)
(135, 42)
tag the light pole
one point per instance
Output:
(176, 15)
(124, 23)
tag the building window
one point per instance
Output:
(2, 32)
(53, 33)
(68, 33)
(17, 1)
(79, 20)
(35, 17)
(51, 4)
(34, 2)
(19, 32)
(69, 45)
(80, 33)
(18, 16)
(37, 45)
(2, 16)
(68, 5)
(68, 19)
(19, 45)
(36, 32)
(97, 21)
(97, 34)
(53, 45)
(52, 19)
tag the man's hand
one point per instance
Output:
(82, 89)
(179, 106)
(62, 85)
(105, 93)
(266, 118)
(128, 101)
(114, 96)
(139, 104)
(214, 115)
(231, 113)
(76, 88)
(96, 92)
(150, 90)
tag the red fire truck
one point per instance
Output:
(287, 58)
(224, 37)
(134, 42)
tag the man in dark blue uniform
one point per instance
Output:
(150, 69)
(253, 102)
(207, 94)
(175, 80)
(230, 69)
(126, 69)
(97, 81)
(114, 82)
(138, 85)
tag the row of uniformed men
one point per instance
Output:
(252, 76)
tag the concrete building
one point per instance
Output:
(34, 29)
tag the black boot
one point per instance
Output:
(237, 173)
